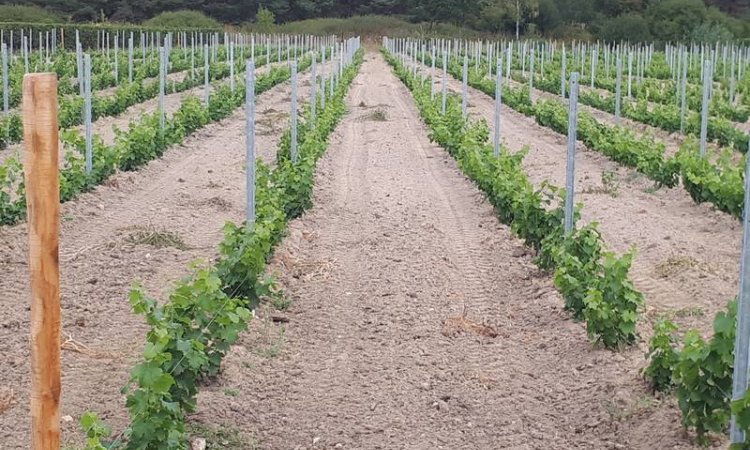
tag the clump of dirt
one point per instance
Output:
(7, 399)
(457, 325)
(377, 116)
(219, 203)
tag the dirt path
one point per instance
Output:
(377, 352)
(687, 256)
(190, 192)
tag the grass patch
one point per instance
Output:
(274, 344)
(155, 237)
(221, 437)
(27, 14)
(610, 185)
(619, 413)
(272, 292)
(458, 325)
(281, 302)
(690, 311)
(271, 121)
(677, 264)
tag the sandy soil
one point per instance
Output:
(418, 320)
(190, 192)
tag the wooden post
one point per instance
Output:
(43, 204)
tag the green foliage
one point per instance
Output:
(95, 431)
(618, 143)
(12, 193)
(612, 303)
(184, 19)
(191, 333)
(577, 260)
(243, 254)
(686, 20)
(141, 143)
(627, 27)
(741, 410)
(10, 129)
(569, 19)
(265, 19)
(703, 376)
(366, 25)
(721, 183)
(28, 14)
(662, 355)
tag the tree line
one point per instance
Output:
(635, 20)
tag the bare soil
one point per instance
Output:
(418, 320)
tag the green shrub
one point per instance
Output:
(27, 14)
(182, 19)
(612, 303)
(662, 356)
(577, 258)
(703, 376)
(627, 27)
(265, 19)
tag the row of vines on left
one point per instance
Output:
(193, 330)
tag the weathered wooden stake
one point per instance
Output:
(43, 205)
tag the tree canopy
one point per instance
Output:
(665, 20)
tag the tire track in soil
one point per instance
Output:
(686, 254)
(397, 242)
(192, 191)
